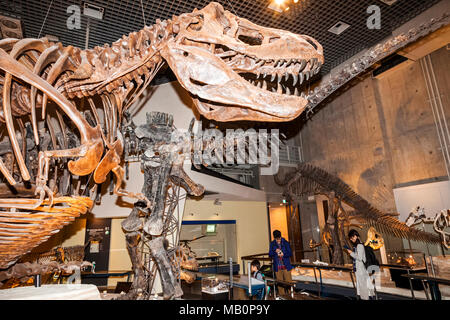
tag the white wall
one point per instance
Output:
(433, 197)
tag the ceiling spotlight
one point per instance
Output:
(287, 9)
(277, 5)
(295, 1)
(339, 27)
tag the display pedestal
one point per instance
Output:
(215, 296)
(52, 292)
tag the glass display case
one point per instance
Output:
(214, 285)
(212, 241)
(409, 258)
(406, 262)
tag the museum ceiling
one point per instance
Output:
(311, 17)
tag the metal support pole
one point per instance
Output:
(37, 280)
(230, 290)
(410, 285)
(249, 279)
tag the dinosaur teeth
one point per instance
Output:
(318, 68)
(288, 92)
(279, 88)
(301, 76)
(295, 76)
(302, 65)
(296, 92)
(259, 64)
(313, 62)
(264, 85)
(286, 76)
(273, 77)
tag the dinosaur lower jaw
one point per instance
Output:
(223, 112)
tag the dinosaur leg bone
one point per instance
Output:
(139, 281)
(171, 288)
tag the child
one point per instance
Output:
(254, 267)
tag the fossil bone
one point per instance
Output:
(212, 52)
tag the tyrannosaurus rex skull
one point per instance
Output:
(237, 70)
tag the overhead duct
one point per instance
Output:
(413, 52)
(11, 27)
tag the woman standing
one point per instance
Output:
(364, 287)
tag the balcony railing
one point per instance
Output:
(290, 155)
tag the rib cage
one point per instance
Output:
(309, 179)
(20, 232)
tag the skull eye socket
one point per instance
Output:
(250, 40)
(250, 37)
(196, 23)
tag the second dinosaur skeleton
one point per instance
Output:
(163, 151)
(308, 179)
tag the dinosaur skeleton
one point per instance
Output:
(440, 221)
(163, 150)
(417, 216)
(308, 179)
(56, 261)
(233, 69)
(374, 239)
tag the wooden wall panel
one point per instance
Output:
(380, 133)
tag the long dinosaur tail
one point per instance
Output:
(317, 179)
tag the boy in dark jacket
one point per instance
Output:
(280, 252)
